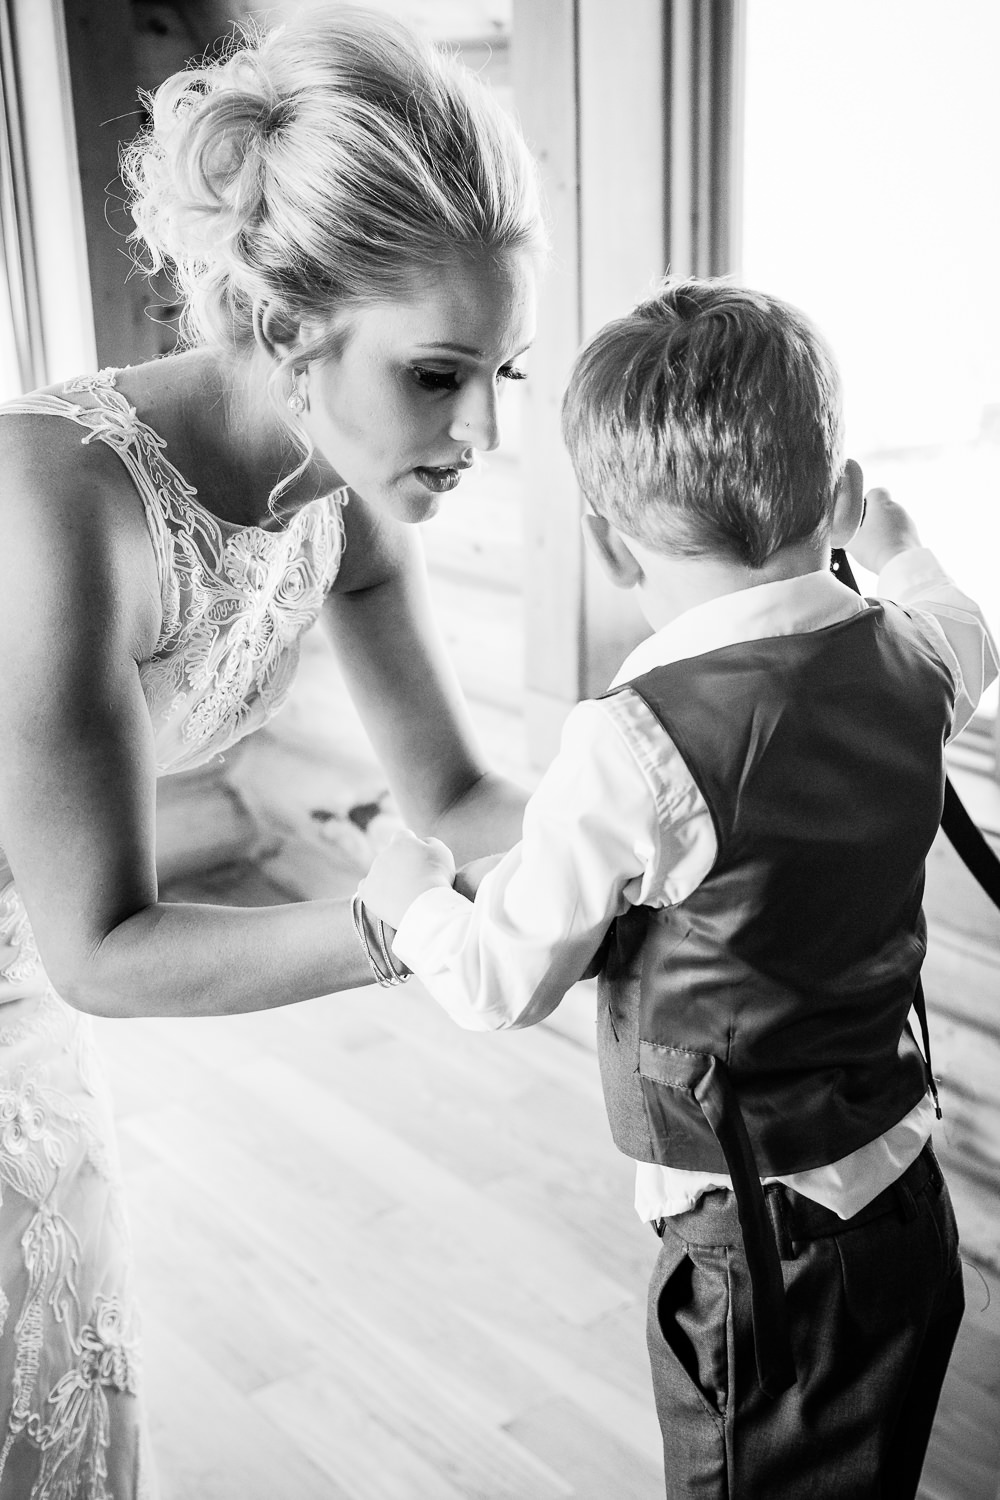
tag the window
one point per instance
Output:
(46, 327)
(20, 333)
(871, 199)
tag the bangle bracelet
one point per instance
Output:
(393, 964)
(380, 976)
(392, 973)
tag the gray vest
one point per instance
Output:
(780, 988)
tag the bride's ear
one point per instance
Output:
(611, 550)
(275, 332)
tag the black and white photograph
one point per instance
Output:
(499, 750)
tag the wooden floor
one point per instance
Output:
(384, 1259)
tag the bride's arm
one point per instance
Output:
(79, 608)
(387, 642)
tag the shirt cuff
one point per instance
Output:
(911, 571)
(425, 938)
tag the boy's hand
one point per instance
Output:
(885, 530)
(405, 868)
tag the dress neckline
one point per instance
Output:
(104, 384)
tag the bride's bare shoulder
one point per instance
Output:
(69, 511)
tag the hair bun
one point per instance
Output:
(199, 176)
(321, 166)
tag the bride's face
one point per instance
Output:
(414, 394)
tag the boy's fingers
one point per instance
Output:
(405, 838)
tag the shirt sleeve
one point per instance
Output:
(952, 622)
(605, 827)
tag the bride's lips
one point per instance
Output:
(440, 480)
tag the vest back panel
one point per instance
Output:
(795, 962)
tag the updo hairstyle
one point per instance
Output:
(328, 164)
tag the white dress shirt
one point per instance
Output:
(617, 820)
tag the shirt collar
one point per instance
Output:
(790, 606)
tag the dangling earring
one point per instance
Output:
(297, 403)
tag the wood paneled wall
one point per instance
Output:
(634, 115)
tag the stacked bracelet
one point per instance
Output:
(386, 968)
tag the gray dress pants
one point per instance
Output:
(874, 1303)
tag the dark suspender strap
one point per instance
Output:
(969, 844)
(920, 1006)
(966, 839)
(771, 1341)
(706, 1078)
(843, 570)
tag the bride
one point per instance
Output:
(353, 225)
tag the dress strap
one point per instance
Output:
(112, 420)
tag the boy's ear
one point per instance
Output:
(611, 550)
(848, 505)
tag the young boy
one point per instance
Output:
(746, 815)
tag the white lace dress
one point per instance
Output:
(235, 602)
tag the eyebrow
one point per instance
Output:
(468, 350)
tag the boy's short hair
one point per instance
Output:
(708, 422)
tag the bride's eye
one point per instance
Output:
(511, 372)
(435, 380)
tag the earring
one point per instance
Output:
(297, 403)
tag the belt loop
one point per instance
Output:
(774, 1198)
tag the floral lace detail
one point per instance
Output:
(72, 1338)
(76, 1438)
(33, 1121)
(72, 1425)
(235, 600)
(16, 933)
(47, 1017)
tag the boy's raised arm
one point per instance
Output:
(888, 544)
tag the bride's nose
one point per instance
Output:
(476, 418)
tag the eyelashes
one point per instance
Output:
(435, 380)
(447, 380)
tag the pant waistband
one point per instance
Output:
(796, 1219)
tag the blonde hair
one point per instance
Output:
(708, 421)
(327, 165)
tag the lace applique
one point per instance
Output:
(47, 1017)
(16, 933)
(73, 1435)
(17, 938)
(31, 1151)
(76, 1438)
(72, 1331)
(235, 600)
(51, 1251)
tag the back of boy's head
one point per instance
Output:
(708, 423)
